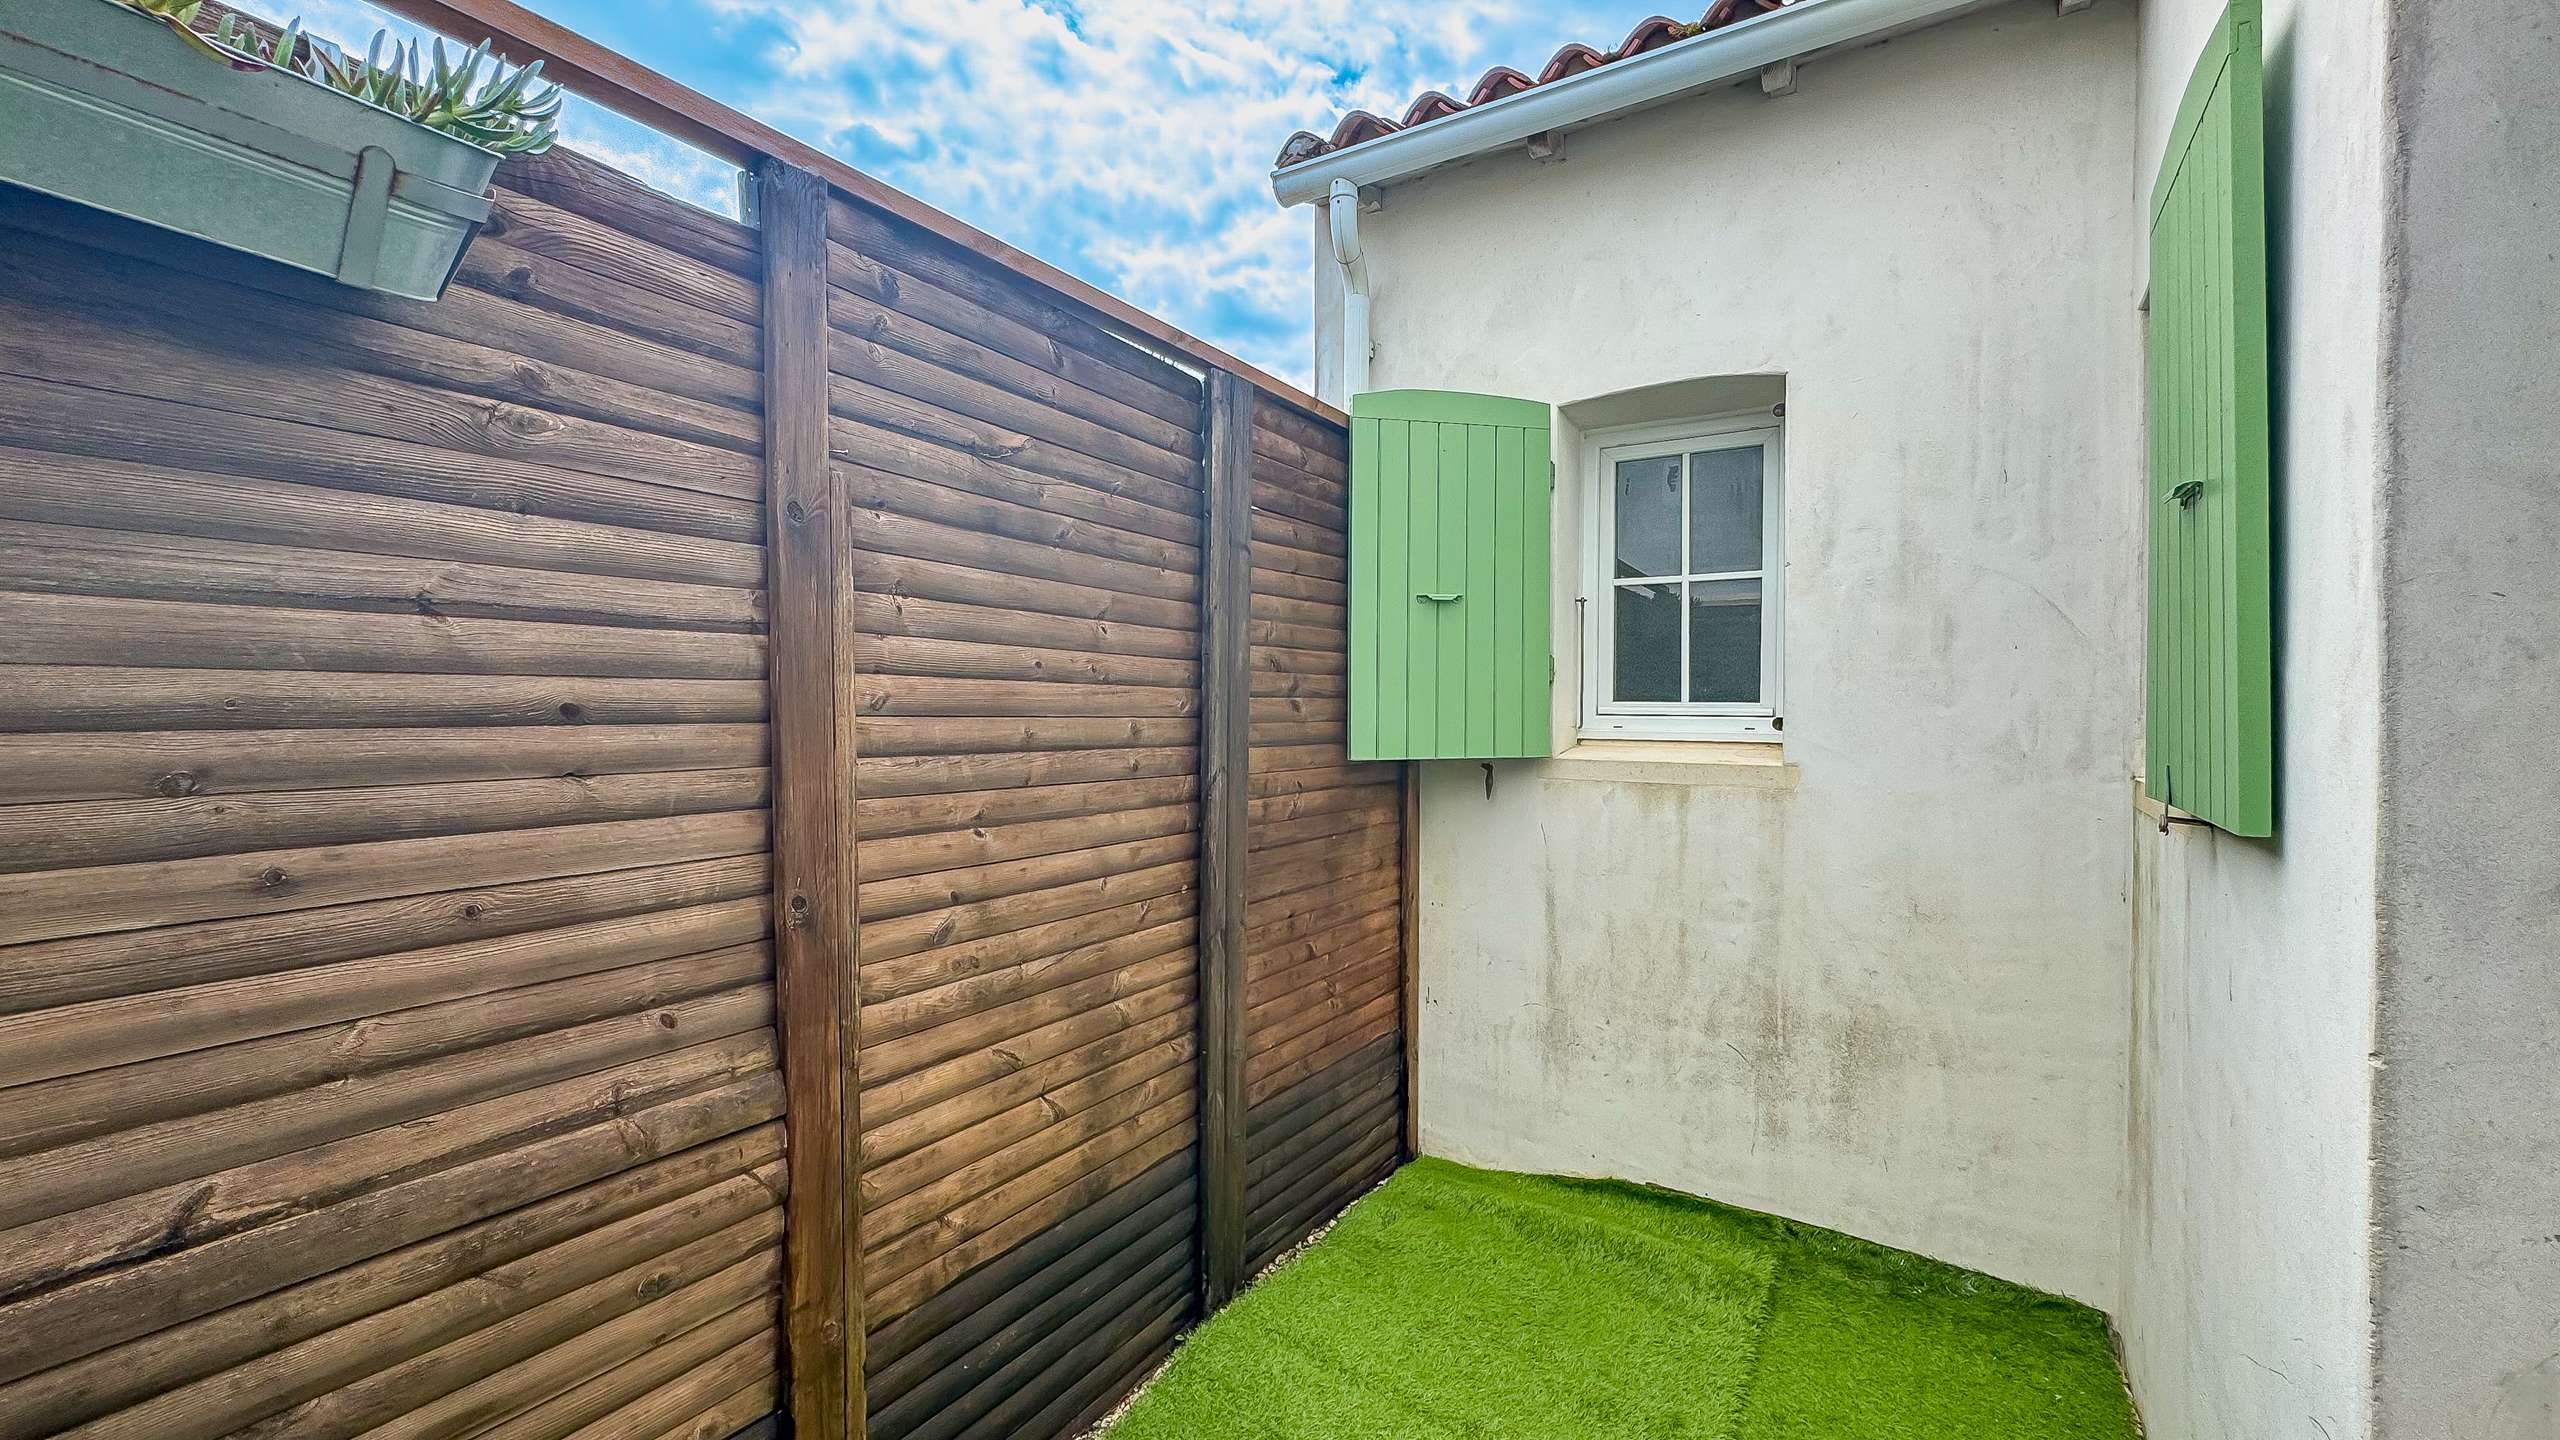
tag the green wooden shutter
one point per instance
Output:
(1449, 497)
(2211, 746)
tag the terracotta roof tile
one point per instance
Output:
(1359, 127)
(1571, 60)
(1499, 81)
(1653, 34)
(1431, 106)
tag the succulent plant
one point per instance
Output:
(178, 15)
(478, 100)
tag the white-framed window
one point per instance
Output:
(1681, 598)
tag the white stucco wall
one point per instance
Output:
(1885, 990)
(2246, 1309)
(2467, 1122)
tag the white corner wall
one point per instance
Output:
(2246, 1310)
(2467, 1123)
(1885, 990)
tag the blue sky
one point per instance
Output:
(1126, 141)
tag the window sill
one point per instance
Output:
(1742, 764)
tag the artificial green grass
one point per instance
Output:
(1468, 1303)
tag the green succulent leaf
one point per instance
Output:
(478, 99)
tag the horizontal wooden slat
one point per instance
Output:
(899, 655)
(980, 579)
(98, 630)
(646, 1356)
(1311, 1100)
(103, 341)
(46, 904)
(91, 967)
(973, 884)
(893, 238)
(902, 615)
(95, 1101)
(892, 1298)
(883, 817)
(889, 859)
(1138, 964)
(1348, 1174)
(43, 414)
(701, 1404)
(1162, 451)
(113, 765)
(467, 1384)
(39, 1044)
(102, 832)
(871, 298)
(1300, 449)
(978, 1121)
(499, 269)
(885, 776)
(888, 1220)
(884, 1101)
(463, 313)
(1037, 518)
(1270, 1071)
(888, 978)
(870, 303)
(699, 1180)
(1006, 1210)
(896, 535)
(1055, 1350)
(182, 303)
(370, 1343)
(886, 940)
(245, 1234)
(70, 560)
(589, 187)
(108, 1167)
(919, 1010)
(535, 225)
(123, 495)
(947, 1345)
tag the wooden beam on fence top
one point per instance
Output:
(623, 84)
(808, 555)
(1226, 687)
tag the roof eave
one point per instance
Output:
(1721, 56)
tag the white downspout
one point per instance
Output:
(1343, 210)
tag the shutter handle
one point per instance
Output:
(1435, 599)
(2185, 492)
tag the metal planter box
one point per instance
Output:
(105, 106)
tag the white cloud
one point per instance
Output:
(1130, 140)
(1126, 141)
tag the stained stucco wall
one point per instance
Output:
(2467, 1142)
(1885, 989)
(2246, 1313)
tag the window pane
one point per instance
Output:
(1648, 505)
(1648, 642)
(1724, 641)
(1724, 510)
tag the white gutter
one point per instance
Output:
(1733, 53)
(1343, 204)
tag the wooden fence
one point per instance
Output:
(729, 820)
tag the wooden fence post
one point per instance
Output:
(1226, 689)
(1409, 941)
(810, 660)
